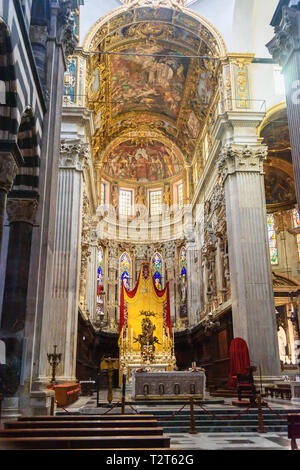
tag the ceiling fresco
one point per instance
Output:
(148, 83)
(151, 80)
(143, 162)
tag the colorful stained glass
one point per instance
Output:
(272, 239)
(157, 270)
(125, 270)
(296, 218)
(100, 272)
(182, 261)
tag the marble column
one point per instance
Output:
(112, 284)
(253, 310)
(21, 215)
(91, 294)
(170, 263)
(285, 49)
(192, 279)
(8, 170)
(60, 327)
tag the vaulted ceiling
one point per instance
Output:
(149, 89)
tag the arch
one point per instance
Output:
(9, 113)
(27, 178)
(203, 23)
(157, 269)
(125, 269)
(271, 115)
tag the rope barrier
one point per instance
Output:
(274, 411)
(60, 406)
(108, 411)
(134, 409)
(224, 417)
(173, 415)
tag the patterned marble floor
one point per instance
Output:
(230, 441)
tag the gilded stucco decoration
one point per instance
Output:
(152, 80)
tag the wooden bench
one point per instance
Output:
(294, 429)
(91, 442)
(66, 394)
(80, 424)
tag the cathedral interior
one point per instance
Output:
(163, 132)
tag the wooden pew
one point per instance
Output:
(91, 442)
(294, 429)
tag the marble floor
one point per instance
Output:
(205, 441)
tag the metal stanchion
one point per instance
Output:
(193, 429)
(261, 427)
(52, 405)
(123, 393)
(98, 387)
(1, 397)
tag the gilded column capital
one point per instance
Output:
(242, 158)
(22, 210)
(287, 37)
(74, 155)
(8, 171)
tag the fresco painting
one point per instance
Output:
(150, 82)
(280, 187)
(142, 162)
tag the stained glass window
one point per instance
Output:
(272, 239)
(296, 218)
(157, 270)
(182, 261)
(100, 273)
(125, 270)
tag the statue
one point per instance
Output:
(147, 338)
(183, 288)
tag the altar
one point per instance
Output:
(168, 385)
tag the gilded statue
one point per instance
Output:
(147, 337)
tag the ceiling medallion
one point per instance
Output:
(155, 3)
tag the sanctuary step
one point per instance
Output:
(81, 424)
(91, 442)
(83, 432)
(248, 422)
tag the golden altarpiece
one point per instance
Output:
(145, 338)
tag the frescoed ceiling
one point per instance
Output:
(148, 84)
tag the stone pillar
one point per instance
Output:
(60, 327)
(170, 263)
(91, 296)
(112, 284)
(285, 49)
(253, 310)
(21, 215)
(192, 279)
(8, 170)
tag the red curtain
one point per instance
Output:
(239, 360)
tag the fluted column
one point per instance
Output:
(170, 263)
(192, 279)
(250, 269)
(285, 49)
(60, 325)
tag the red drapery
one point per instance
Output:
(239, 360)
(131, 294)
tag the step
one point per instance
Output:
(80, 424)
(124, 442)
(222, 429)
(77, 432)
(78, 417)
